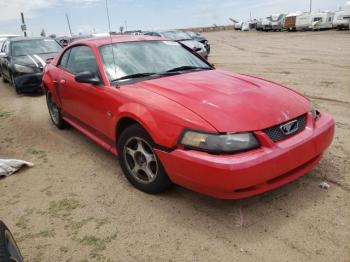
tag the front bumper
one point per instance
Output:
(207, 46)
(253, 172)
(29, 82)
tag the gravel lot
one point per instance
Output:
(75, 204)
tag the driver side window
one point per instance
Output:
(81, 59)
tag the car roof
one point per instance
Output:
(19, 39)
(100, 41)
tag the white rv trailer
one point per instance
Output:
(297, 21)
(238, 26)
(277, 21)
(265, 24)
(323, 20)
(245, 26)
(303, 21)
(274, 22)
(347, 11)
(340, 21)
(249, 25)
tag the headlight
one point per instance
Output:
(219, 144)
(315, 113)
(24, 69)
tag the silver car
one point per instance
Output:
(183, 38)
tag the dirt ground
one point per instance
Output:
(75, 204)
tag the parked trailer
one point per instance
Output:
(276, 22)
(290, 21)
(303, 22)
(340, 21)
(323, 20)
(259, 26)
(238, 26)
(265, 24)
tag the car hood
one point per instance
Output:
(231, 102)
(192, 44)
(35, 60)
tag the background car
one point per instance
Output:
(22, 60)
(66, 40)
(183, 38)
(3, 38)
(198, 37)
(171, 117)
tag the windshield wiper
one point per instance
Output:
(138, 75)
(186, 68)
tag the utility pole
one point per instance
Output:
(70, 30)
(126, 25)
(310, 6)
(23, 26)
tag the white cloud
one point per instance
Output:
(11, 10)
(81, 3)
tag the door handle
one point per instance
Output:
(63, 82)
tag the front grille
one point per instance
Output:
(276, 134)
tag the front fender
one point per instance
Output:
(163, 124)
(48, 82)
(163, 133)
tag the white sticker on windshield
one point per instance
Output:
(49, 40)
(171, 43)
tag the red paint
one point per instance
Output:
(211, 101)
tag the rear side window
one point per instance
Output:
(64, 59)
(81, 58)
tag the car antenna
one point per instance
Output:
(110, 36)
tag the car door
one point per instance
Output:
(83, 103)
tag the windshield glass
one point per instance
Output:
(176, 35)
(37, 46)
(192, 34)
(146, 57)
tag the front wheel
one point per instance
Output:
(55, 112)
(13, 83)
(140, 164)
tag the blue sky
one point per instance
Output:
(88, 16)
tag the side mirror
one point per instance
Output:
(3, 55)
(49, 60)
(87, 77)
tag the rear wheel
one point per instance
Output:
(9, 251)
(140, 164)
(55, 112)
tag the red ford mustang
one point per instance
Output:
(173, 118)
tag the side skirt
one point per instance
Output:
(91, 133)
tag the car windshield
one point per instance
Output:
(192, 34)
(37, 46)
(177, 35)
(147, 57)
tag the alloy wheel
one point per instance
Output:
(140, 160)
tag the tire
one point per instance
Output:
(139, 163)
(9, 251)
(4, 79)
(55, 112)
(13, 83)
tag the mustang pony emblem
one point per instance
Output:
(290, 127)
